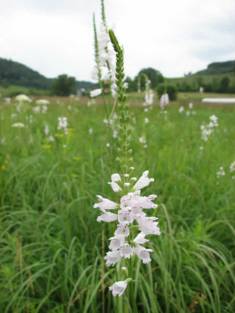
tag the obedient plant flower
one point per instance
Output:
(63, 124)
(112, 123)
(130, 210)
(220, 172)
(190, 110)
(207, 130)
(46, 130)
(18, 125)
(181, 109)
(164, 101)
(190, 106)
(146, 120)
(143, 141)
(104, 71)
(23, 99)
(132, 221)
(232, 167)
(149, 95)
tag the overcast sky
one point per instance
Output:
(174, 36)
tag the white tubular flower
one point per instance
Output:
(142, 140)
(148, 225)
(143, 181)
(106, 58)
(214, 119)
(190, 105)
(125, 216)
(118, 288)
(46, 130)
(104, 204)
(107, 217)
(220, 172)
(112, 257)
(207, 130)
(146, 120)
(137, 202)
(232, 167)
(148, 98)
(122, 230)
(115, 177)
(126, 251)
(62, 123)
(143, 254)
(140, 239)
(18, 125)
(36, 109)
(181, 109)
(116, 242)
(115, 186)
(129, 215)
(164, 100)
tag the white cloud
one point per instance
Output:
(55, 36)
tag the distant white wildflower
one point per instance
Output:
(146, 120)
(112, 123)
(51, 138)
(149, 98)
(207, 130)
(63, 124)
(181, 109)
(90, 131)
(190, 106)
(214, 120)
(36, 109)
(23, 98)
(143, 141)
(42, 102)
(149, 94)
(164, 101)
(46, 130)
(232, 167)
(18, 125)
(7, 100)
(220, 172)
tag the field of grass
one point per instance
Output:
(51, 254)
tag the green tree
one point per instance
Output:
(131, 85)
(224, 84)
(153, 75)
(170, 89)
(64, 85)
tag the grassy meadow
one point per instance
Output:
(51, 247)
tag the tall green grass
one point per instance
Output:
(50, 243)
